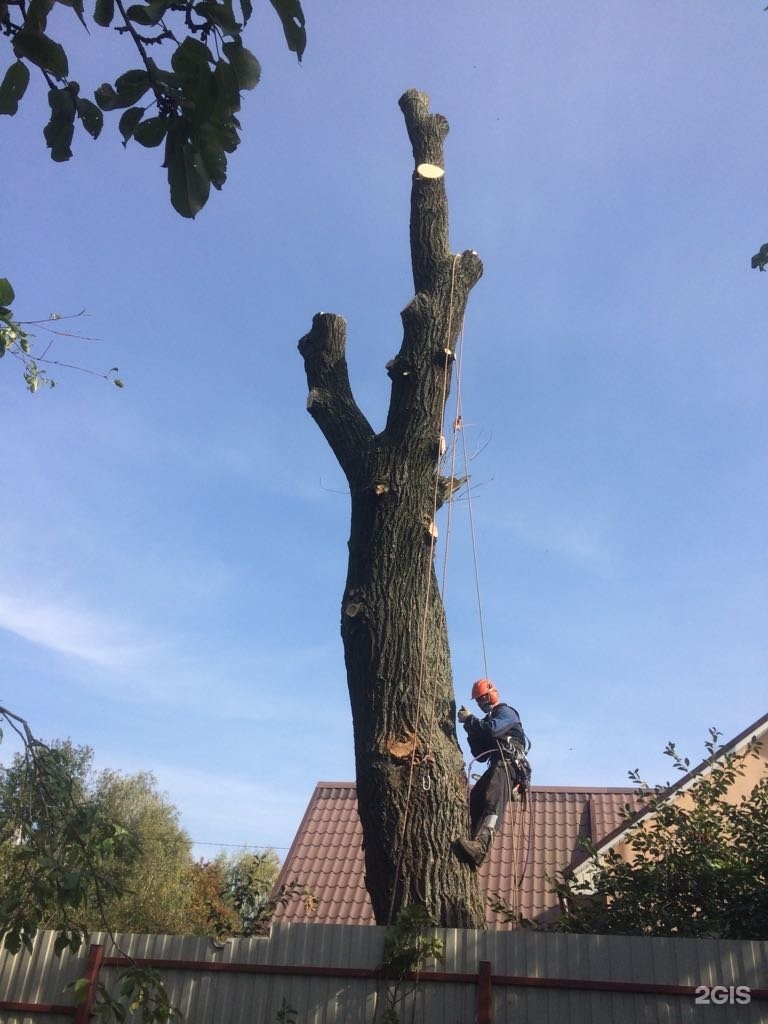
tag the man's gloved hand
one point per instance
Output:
(463, 714)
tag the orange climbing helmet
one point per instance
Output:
(485, 688)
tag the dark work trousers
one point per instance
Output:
(491, 794)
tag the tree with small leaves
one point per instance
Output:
(696, 865)
(60, 859)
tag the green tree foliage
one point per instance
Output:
(155, 882)
(16, 341)
(209, 913)
(58, 854)
(408, 946)
(142, 879)
(189, 105)
(699, 867)
(248, 882)
(147, 883)
(59, 847)
(235, 894)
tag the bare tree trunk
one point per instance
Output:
(411, 784)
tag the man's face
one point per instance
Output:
(484, 703)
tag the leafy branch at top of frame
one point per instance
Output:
(16, 341)
(189, 107)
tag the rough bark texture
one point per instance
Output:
(411, 784)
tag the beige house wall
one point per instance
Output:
(754, 769)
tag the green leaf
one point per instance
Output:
(214, 157)
(150, 133)
(58, 135)
(63, 940)
(247, 8)
(7, 294)
(139, 14)
(37, 13)
(760, 258)
(190, 55)
(93, 122)
(228, 136)
(128, 121)
(77, 7)
(187, 177)
(148, 14)
(219, 14)
(292, 17)
(135, 79)
(42, 51)
(104, 12)
(106, 97)
(227, 90)
(60, 129)
(62, 104)
(13, 87)
(128, 88)
(80, 988)
(247, 67)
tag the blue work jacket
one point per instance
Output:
(502, 723)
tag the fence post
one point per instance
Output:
(484, 1001)
(92, 968)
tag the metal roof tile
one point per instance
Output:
(536, 843)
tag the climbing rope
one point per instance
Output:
(472, 531)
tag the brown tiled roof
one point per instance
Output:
(326, 856)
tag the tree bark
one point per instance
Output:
(411, 784)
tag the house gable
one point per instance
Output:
(617, 839)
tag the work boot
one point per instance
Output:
(474, 851)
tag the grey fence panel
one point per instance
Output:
(37, 977)
(208, 993)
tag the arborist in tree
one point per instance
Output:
(498, 738)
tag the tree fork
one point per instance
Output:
(411, 784)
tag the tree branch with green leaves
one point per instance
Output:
(190, 106)
(16, 341)
(58, 852)
(696, 864)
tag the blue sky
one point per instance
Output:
(174, 553)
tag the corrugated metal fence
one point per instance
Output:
(329, 975)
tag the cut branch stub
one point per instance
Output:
(429, 171)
